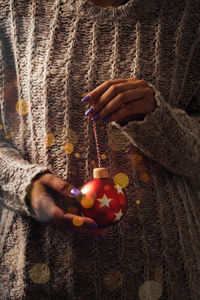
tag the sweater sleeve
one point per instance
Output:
(169, 136)
(16, 173)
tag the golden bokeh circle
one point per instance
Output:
(136, 158)
(49, 140)
(113, 280)
(117, 140)
(71, 136)
(77, 155)
(145, 177)
(106, 187)
(77, 221)
(150, 290)
(22, 107)
(68, 148)
(121, 179)
(103, 156)
(138, 202)
(87, 202)
(1, 126)
(39, 273)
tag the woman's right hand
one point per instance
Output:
(52, 201)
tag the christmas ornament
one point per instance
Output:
(102, 200)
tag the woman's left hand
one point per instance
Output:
(120, 100)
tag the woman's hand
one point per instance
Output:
(120, 100)
(51, 198)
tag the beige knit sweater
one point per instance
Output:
(52, 52)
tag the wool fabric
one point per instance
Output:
(52, 53)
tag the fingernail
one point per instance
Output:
(96, 117)
(76, 193)
(89, 111)
(92, 225)
(106, 118)
(99, 237)
(86, 98)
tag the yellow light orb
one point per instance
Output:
(106, 187)
(113, 280)
(49, 140)
(77, 221)
(22, 107)
(137, 202)
(39, 273)
(121, 179)
(1, 126)
(103, 156)
(136, 158)
(77, 155)
(145, 177)
(70, 136)
(68, 148)
(87, 202)
(150, 290)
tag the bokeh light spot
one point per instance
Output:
(121, 179)
(106, 187)
(103, 156)
(77, 155)
(150, 290)
(70, 136)
(136, 158)
(138, 202)
(49, 140)
(68, 148)
(87, 202)
(40, 273)
(22, 107)
(77, 221)
(145, 177)
(1, 126)
(117, 140)
(113, 280)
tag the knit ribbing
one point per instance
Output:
(60, 51)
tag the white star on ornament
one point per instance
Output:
(104, 201)
(118, 215)
(119, 189)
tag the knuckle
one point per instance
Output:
(63, 187)
(114, 89)
(120, 98)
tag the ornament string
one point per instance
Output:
(97, 144)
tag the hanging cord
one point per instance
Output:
(97, 144)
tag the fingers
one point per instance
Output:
(46, 210)
(75, 223)
(96, 93)
(62, 187)
(112, 96)
(140, 108)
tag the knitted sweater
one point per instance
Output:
(52, 52)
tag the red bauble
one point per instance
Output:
(103, 200)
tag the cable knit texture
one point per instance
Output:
(54, 52)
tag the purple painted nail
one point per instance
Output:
(99, 237)
(96, 117)
(76, 193)
(86, 98)
(92, 225)
(106, 118)
(89, 111)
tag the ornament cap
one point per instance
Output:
(100, 173)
